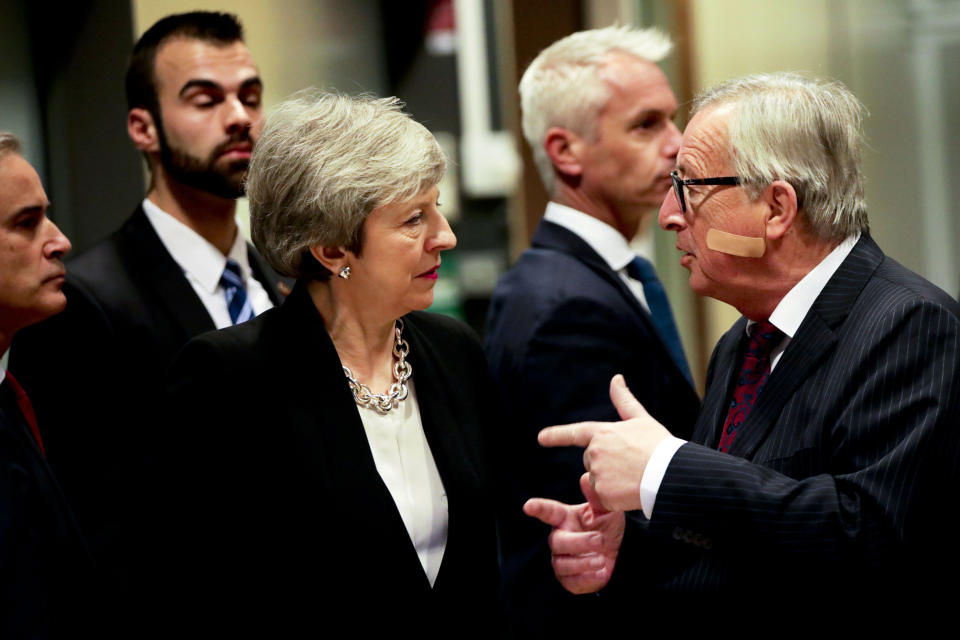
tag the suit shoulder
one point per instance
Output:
(101, 272)
(542, 272)
(900, 286)
(238, 341)
(98, 261)
(545, 283)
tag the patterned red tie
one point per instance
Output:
(26, 408)
(753, 375)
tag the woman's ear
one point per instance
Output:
(333, 259)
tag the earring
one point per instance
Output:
(345, 272)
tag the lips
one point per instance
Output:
(57, 276)
(430, 274)
(238, 151)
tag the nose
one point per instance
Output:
(443, 237)
(238, 116)
(57, 245)
(671, 218)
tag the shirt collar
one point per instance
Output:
(794, 307)
(195, 255)
(602, 238)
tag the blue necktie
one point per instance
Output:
(641, 270)
(237, 302)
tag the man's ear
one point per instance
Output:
(781, 200)
(333, 259)
(562, 146)
(142, 130)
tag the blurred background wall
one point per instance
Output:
(456, 64)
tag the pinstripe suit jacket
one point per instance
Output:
(843, 473)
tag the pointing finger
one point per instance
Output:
(570, 435)
(549, 512)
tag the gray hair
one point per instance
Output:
(323, 162)
(563, 86)
(9, 143)
(806, 132)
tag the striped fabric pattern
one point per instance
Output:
(849, 454)
(238, 304)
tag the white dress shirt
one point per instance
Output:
(203, 264)
(787, 317)
(406, 465)
(602, 238)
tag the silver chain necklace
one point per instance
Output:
(384, 402)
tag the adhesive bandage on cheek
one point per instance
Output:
(731, 243)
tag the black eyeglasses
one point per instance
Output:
(679, 183)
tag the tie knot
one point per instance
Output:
(231, 275)
(641, 269)
(763, 337)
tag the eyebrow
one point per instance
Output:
(26, 212)
(211, 85)
(34, 208)
(646, 113)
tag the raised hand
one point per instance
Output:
(616, 453)
(585, 539)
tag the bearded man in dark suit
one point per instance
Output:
(178, 267)
(822, 467)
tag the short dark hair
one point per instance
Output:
(209, 26)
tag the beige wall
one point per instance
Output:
(871, 46)
(296, 43)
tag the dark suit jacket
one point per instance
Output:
(95, 371)
(843, 477)
(46, 572)
(284, 519)
(561, 324)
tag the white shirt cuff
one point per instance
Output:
(656, 469)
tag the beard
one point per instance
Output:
(224, 180)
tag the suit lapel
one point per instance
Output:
(16, 424)
(815, 340)
(724, 370)
(442, 425)
(553, 236)
(341, 449)
(142, 248)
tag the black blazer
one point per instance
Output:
(561, 324)
(843, 477)
(95, 372)
(283, 515)
(46, 572)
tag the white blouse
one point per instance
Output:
(406, 465)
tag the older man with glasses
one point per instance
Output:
(823, 464)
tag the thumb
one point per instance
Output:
(592, 497)
(627, 406)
